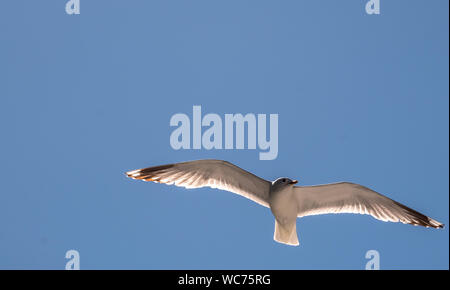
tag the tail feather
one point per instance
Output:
(286, 233)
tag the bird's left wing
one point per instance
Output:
(208, 173)
(346, 197)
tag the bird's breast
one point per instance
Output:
(283, 204)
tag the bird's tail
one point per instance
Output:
(286, 233)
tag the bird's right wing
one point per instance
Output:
(208, 173)
(346, 197)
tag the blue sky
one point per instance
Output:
(84, 98)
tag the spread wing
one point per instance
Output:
(208, 173)
(348, 197)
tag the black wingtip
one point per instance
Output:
(133, 173)
(149, 173)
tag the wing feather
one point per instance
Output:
(346, 197)
(208, 173)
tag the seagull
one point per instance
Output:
(286, 201)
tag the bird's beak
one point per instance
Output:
(294, 182)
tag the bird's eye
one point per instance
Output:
(284, 180)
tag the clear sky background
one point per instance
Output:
(84, 98)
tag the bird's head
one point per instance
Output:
(284, 181)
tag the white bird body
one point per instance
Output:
(286, 201)
(283, 205)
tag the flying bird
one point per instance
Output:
(285, 200)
